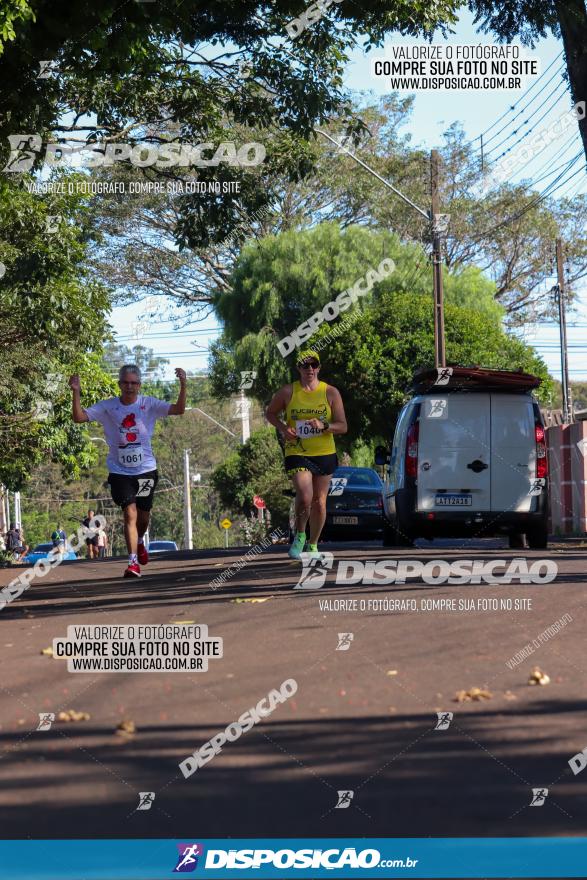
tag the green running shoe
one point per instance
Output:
(297, 547)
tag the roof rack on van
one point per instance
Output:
(454, 377)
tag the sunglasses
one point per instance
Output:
(124, 382)
(309, 364)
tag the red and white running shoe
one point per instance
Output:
(142, 554)
(133, 571)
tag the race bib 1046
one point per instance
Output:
(305, 429)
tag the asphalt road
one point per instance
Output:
(362, 719)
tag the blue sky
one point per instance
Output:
(433, 112)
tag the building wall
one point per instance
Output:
(567, 467)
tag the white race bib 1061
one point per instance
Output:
(131, 456)
(305, 429)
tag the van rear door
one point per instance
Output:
(513, 452)
(454, 452)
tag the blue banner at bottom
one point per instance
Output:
(454, 857)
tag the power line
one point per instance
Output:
(521, 98)
(549, 173)
(533, 202)
(525, 122)
(161, 334)
(551, 160)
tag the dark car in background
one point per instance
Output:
(354, 507)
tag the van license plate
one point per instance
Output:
(454, 500)
(345, 520)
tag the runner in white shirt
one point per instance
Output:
(129, 422)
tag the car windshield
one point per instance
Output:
(359, 477)
(162, 545)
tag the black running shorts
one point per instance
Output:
(321, 465)
(137, 490)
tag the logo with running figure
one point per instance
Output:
(539, 796)
(187, 861)
(314, 570)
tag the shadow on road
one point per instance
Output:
(281, 779)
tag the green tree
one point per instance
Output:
(143, 73)
(116, 354)
(388, 335)
(255, 468)
(52, 323)
(506, 231)
(283, 280)
(376, 357)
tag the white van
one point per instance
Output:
(468, 460)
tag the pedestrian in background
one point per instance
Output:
(102, 543)
(15, 542)
(58, 538)
(91, 543)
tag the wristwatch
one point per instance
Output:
(326, 424)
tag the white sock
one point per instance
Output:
(132, 558)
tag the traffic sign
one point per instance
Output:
(226, 523)
(258, 502)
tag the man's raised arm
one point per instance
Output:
(78, 412)
(178, 409)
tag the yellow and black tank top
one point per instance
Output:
(303, 406)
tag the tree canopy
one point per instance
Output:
(52, 323)
(282, 281)
(507, 230)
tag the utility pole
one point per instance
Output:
(17, 511)
(438, 227)
(187, 501)
(562, 318)
(3, 520)
(243, 407)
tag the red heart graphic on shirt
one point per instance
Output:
(131, 437)
(129, 421)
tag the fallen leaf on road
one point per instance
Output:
(127, 727)
(538, 677)
(472, 694)
(73, 715)
(47, 651)
(253, 600)
(510, 696)
(392, 671)
(178, 622)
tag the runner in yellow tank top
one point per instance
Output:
(314, 412)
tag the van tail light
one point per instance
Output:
(380, 502)
(412, 450)
(541, 457)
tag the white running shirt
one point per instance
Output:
(128, 429)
